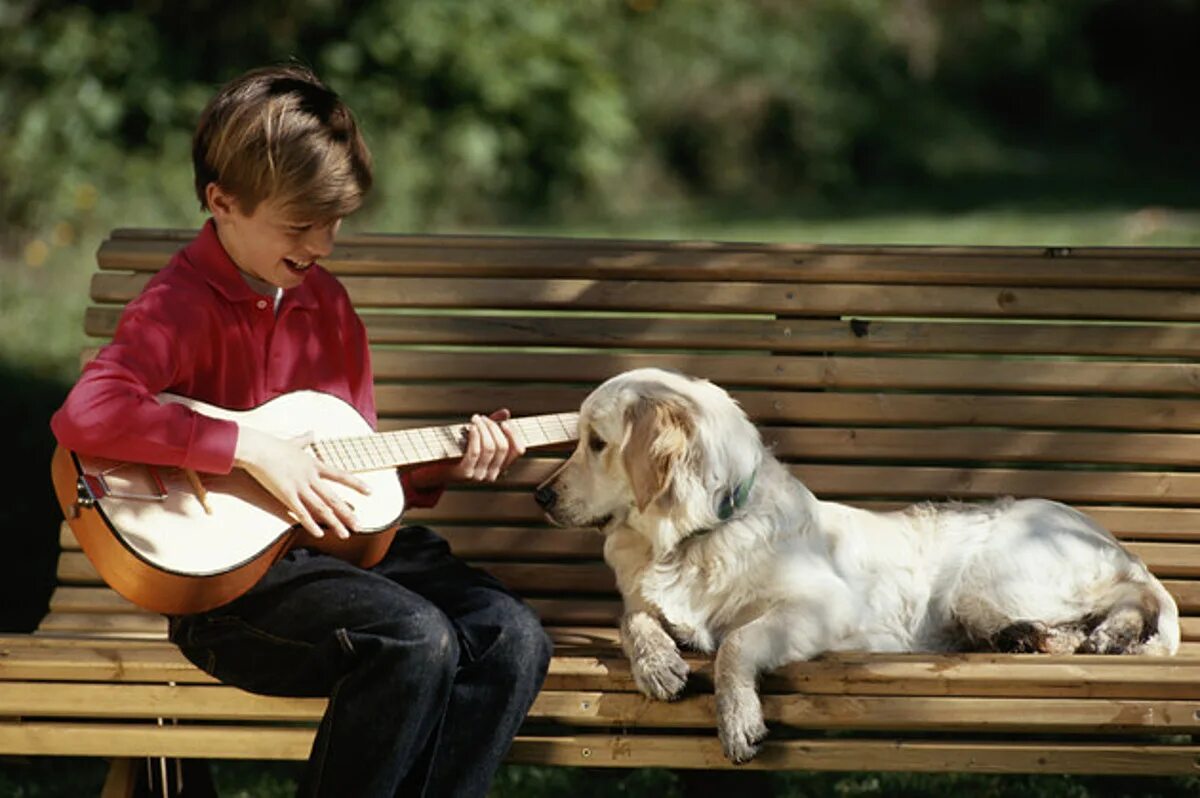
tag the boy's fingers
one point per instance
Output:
(325, 509)
(301, 515)
(498, 449)
(344, 510)
(344, 478)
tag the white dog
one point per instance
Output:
(715, 545)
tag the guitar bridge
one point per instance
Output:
(92, 487)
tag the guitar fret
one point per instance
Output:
(451, 443)
(432, 444)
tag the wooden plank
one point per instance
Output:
(133, 701)
(589, 659)
(635, 751)
(1182, 414)
(528, 256)
(595, 708)
(785, 372)
(727, 296)
(1177, 529)
(539, 579)
(481, 372)
(982, 445)
(84, 600)
(484, 542)
(1169, 559)
(601, 609)
(628, 751)
(978, 675)
(528, 578)
(150, 740)
(910, 713)
(790, 335)
(512, 503)
(115, 624)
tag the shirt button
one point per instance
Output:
(262, 304)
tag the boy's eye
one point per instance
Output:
(596, 444)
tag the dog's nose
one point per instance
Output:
(545, 497)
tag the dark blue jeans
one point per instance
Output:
(429, 665)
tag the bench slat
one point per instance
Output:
(635, 751)
(1141, 528)
(537, 579)
(865, 443)
(825, 299)
(594, 708)
(809, 373)
(795, 372)
(456, 402)
(594, 662)
(625, 751)
(690, 260)
(790, 335)
(100, 599)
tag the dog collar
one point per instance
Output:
(736, 499)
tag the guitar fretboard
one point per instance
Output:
(408, 447)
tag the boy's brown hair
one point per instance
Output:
(278, 132)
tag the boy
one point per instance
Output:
(430, 665)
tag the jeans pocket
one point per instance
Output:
(237, 653)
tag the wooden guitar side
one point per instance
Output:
(170, 554)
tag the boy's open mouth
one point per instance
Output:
(297, 266)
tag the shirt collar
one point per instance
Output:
(207, 255)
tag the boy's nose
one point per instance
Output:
(319, 241)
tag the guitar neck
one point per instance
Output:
(409, 447)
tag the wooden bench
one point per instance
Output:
(884, 375)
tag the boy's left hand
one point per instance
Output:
(491, 446)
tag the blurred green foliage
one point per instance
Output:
(485, 111)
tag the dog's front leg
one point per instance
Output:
(763, 644)
(658, 669)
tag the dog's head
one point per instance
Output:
(654, 446)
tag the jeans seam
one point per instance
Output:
(261, 634)
(318, 757)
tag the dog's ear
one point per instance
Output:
(657, 435)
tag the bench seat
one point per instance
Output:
(880, 375)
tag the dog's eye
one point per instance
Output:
(596, 444)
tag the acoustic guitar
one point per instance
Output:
(176, 542)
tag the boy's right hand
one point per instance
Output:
(292, 475)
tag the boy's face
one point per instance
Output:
(268, 243)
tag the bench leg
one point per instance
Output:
(122, 778)
(145, 778)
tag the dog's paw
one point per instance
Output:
(661, 674)
(740, 724)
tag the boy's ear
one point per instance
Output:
(220, 203)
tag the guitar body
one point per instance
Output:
(149, 534)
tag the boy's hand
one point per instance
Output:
(492, 445)
(296, 478)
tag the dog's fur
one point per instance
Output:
(785, 576)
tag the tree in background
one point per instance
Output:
(484, 111)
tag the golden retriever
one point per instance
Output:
(715, 545)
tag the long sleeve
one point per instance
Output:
(112, 411)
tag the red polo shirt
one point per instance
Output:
(199, 330)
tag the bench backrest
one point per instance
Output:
(883, 375)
